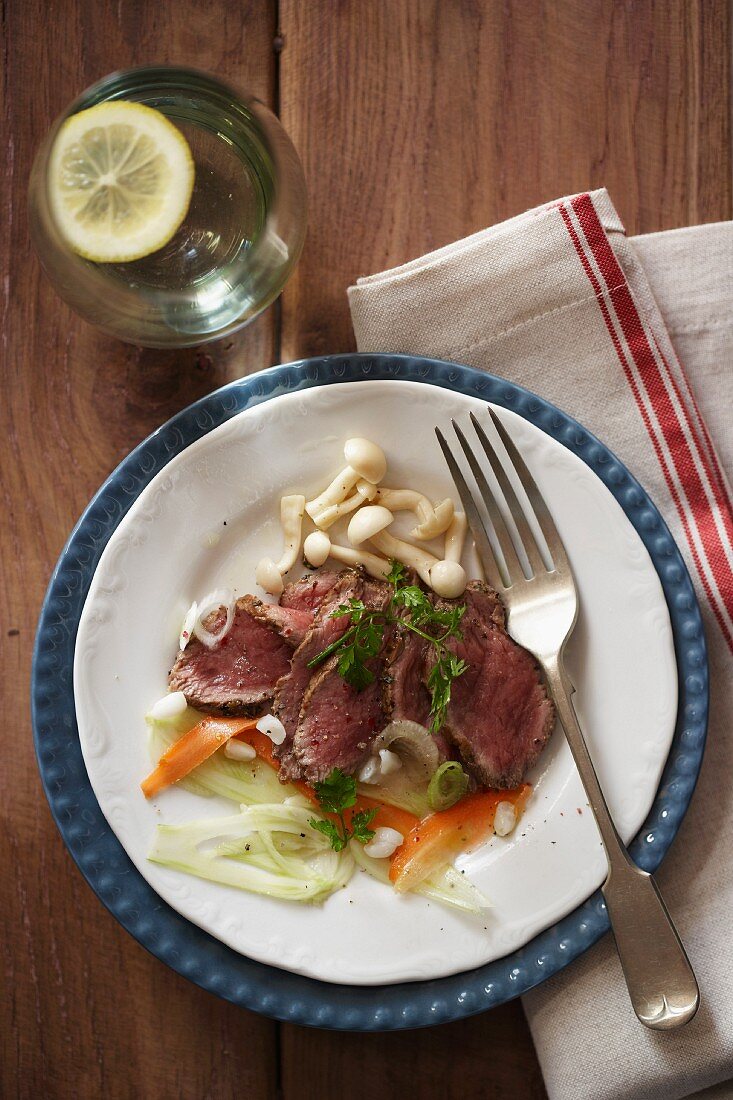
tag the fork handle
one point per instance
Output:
(660, 980)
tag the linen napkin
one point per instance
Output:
(561, 301)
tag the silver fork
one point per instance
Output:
(541, 613)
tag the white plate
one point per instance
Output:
(174, 545)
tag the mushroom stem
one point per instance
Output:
(434, 518)
(328, 516)
(455, 537)
(291, 518)
(334, 493)
(435, 522)
(403, 500)
(367, 489)
(413, 556)
(375, 566)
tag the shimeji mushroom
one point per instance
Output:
(448, 577)
(413, 556)
(269, 577)
(434, 518)
(367, 464)
(316, 548)
(455, 537)
(269, 573)
(367, 458)
(364, 491)
(367, 489)
(328, 516)
(367, 523)
(375, 566)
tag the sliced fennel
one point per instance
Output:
(169, 727)
(261, 848)
(447, 886)
(397, 792)
(266, 849)
(247, 782)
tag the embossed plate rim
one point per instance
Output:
(193, 952)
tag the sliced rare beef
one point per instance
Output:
(337, 723)
(308, 593)
(237, 677)
(499, 716)
(292, 686)
(407, 697)
(291, 624)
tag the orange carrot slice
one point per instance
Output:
(261, 743)
(191, 750)
(439, 838)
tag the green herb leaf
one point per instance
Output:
(413, 609)
(446, 669)
(338, 842)
(412, 596)
(360, 823)
(355, 608)
(337, 792)
(397, 574)
(417, 603)
(449, 618)
(355, 673)
(364, 644)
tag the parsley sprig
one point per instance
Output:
(410, 606)
(361, 641)
(336, 794)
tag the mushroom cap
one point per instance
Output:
(366, 458)
(268, 576)
(368, 522)
(316, 548)
(448, 579)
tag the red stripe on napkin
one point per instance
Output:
(683, 448)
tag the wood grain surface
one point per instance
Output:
(418, 121)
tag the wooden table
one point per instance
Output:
(418, 121)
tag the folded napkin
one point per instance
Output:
(561, 301)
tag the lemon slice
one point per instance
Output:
(120, 181)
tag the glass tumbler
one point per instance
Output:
(238, 243)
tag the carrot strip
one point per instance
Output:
(439, 838)
(191, 750)
(261, 743)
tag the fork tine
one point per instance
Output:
(475, 522)
(513, 565)
(523, 529)
(541, 511)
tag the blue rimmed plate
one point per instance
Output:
(189, 949)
